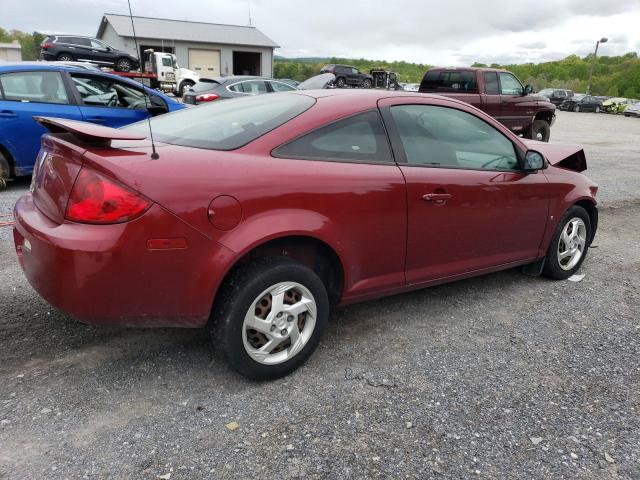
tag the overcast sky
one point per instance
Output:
(450, 32)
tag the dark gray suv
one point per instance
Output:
(210, 89)
(67, 48)
(347, 75)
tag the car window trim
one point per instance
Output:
(266, 85)
(81, 101)
(274, 151)
(401, 156)
(517, 80)
(70, 95)
(269, 82)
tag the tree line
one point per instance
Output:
(613, 76)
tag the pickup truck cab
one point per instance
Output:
(498, 93)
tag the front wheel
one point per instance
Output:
(366, 83)
(576, 108)
(183, 86)
(569, 244)
(540, 130)
(597, 109)
(270, 317)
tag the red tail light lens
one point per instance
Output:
(96, 198)
(47, 45)
(207, 97)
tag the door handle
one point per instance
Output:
(437, 198)
(96, 119)
(8, 114)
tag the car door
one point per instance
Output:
(514, 113)
(100, 52)
(81, 49)
(470, 207)
(23, 95)
(491, 96)
(107, 101)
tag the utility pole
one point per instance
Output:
(593, 62)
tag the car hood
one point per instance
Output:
(560, 155)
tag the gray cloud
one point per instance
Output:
(424, 31)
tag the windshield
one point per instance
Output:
(226, 124)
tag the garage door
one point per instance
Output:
(205, 62)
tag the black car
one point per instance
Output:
(347, 75)
(69, 48)
(210, 89)
(582, 103)
(556, 95)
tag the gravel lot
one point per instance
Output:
(503, 376)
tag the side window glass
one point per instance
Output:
(254, 87)
(446, 137)
(281, 87)
(491, 83)
(509, 85)
(361, 138)
(85, 42)
(104, 92)
(97, 45)
(41, 87)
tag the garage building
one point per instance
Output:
(210, 49)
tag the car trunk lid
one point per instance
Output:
(62, 156)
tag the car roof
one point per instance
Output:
(475, 69)
(6, 67)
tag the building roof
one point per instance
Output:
(181, 30)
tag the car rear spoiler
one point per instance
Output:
(88, 132)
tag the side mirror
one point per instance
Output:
(527, 90)
(533, 161)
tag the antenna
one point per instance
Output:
(154, 154)
(249, 4)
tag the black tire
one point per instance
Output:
(124, 65)
(366, 83)
(5, 171)
(597, 109)
(65, 57)
(552, 268)
(184, 85)
(340, 82)
(540, 128)
(238, 295)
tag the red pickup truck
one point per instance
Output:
(498, 93)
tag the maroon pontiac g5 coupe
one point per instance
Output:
(259, 213)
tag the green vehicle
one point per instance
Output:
(617, 105)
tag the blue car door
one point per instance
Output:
(23, 95)
(108, 101)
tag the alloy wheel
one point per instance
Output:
(279, 323)
(572, 243)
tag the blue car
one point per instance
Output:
(64, 91)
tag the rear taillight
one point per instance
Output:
(47, 45)
(95, 198)
(207, 97)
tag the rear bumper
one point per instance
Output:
(105, 275)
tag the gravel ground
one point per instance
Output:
(503, 376)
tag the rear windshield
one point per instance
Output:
(225, 124)
(205, 85)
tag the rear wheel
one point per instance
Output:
(540, 130)
(124, 65)
(5, 171)
(65, 57)
(270, 317)
(569, 244)
(341, 82)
